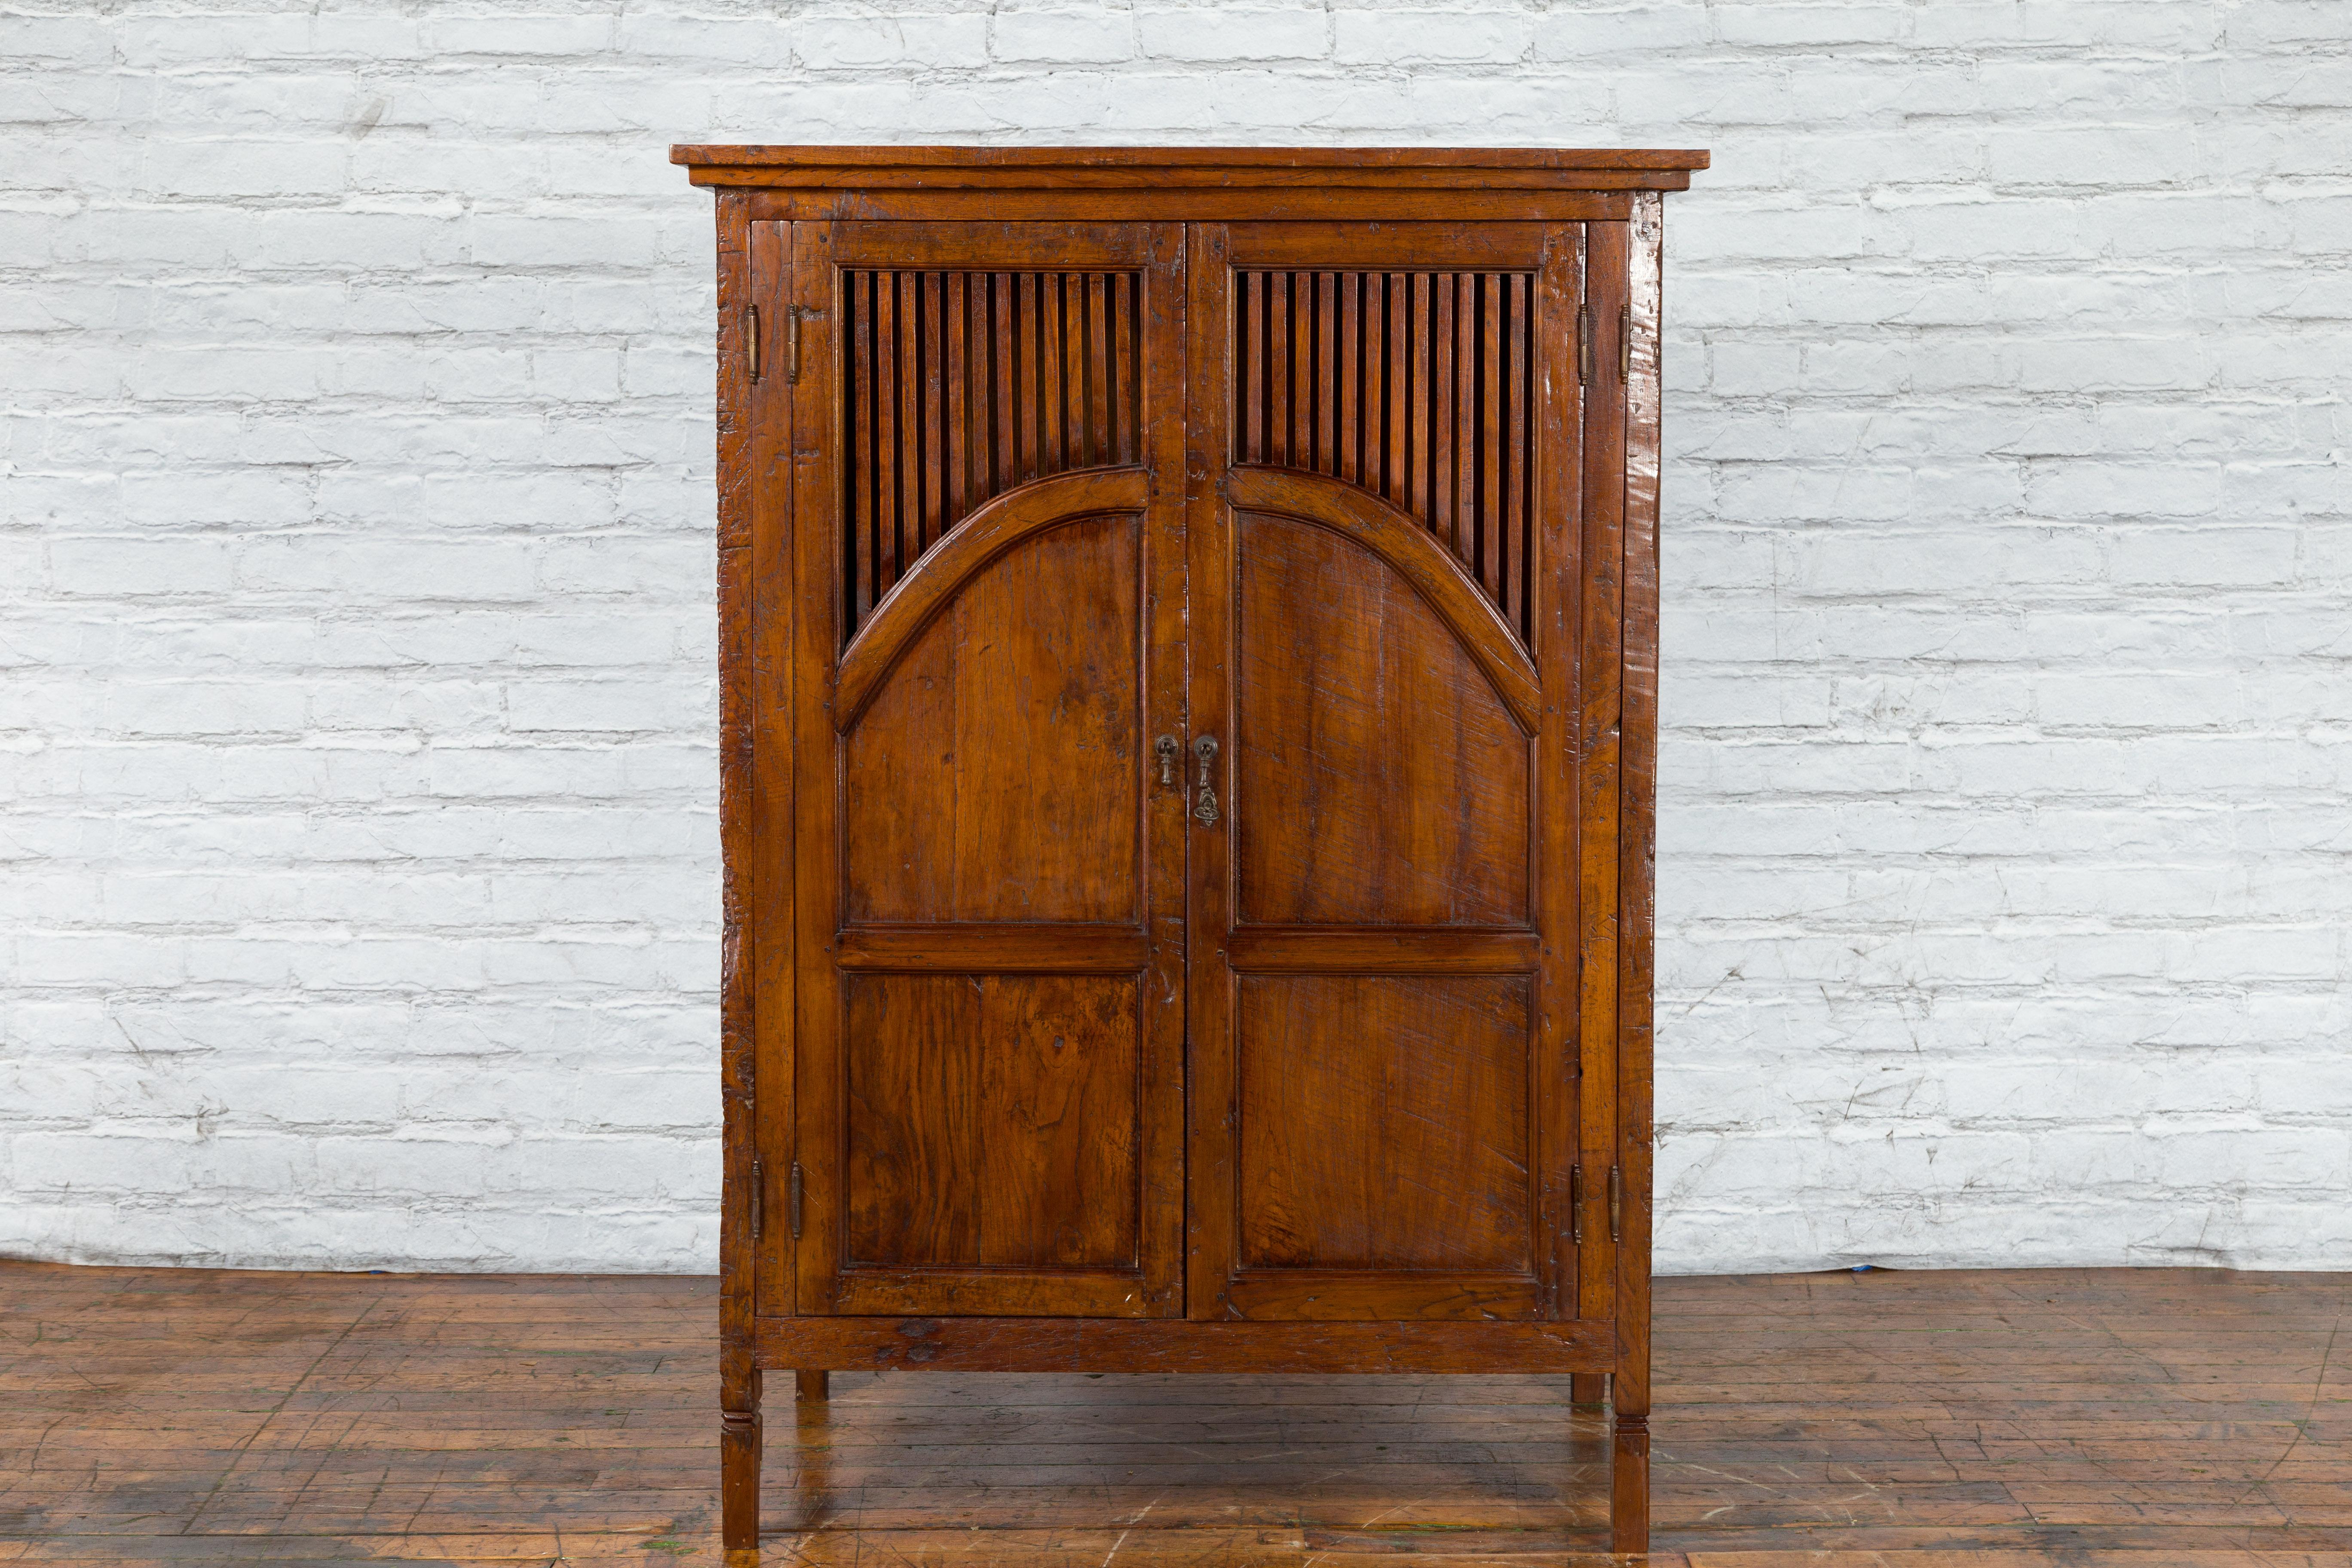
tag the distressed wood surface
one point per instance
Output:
(2157, 1418)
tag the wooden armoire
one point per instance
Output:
(1188, 655)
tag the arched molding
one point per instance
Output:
(1407, 547)
(981, 539)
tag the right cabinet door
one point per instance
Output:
(1388, 547)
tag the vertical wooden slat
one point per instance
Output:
(1003, 384)
(1279, 387)
(1327, 402)
(955, 327)
(1395, 340)
(1490, 436)
(910, 422)
(1518, 445)
(860, 457)
(1070, 307)
(934, 384)
(1027, 345)
(1100, 443)
(1249, 367)
(1127, 386)
(1303, 394)
(1442, 519)
(1144, 386)
(1417, 396)
(1465, 417)
(1347, 361)
(1053, 371)
(886, 434)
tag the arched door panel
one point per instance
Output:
(995, 772)
(1378, 778)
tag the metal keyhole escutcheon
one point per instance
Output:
(1205, 802)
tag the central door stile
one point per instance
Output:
(1209, 987)
(989, 577)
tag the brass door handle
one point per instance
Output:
(1167, 748)
(1204, 802)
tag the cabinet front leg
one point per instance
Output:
(739, 1485)
(1629, 1482)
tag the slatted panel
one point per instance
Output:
(1416, 385)
(959, 385)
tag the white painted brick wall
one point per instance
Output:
(358, 719)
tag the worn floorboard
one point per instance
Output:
(2156, 1418)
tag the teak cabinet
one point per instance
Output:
(1189, 630)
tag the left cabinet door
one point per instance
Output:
(986, 871)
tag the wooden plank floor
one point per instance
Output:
(2154, 1418)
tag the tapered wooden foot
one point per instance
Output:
(813, 1384)
(739, 1487)
(1629, 1483)
(1588, 1388)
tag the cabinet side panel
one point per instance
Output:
(768, 682)
(1639, 793)
(1558, 463)
(817, 531)
(1600, 746)
(738, 1376)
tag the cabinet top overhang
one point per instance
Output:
(1075, 170)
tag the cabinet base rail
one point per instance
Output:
(1176, 1344)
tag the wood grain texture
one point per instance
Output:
(738, 289)
(1434, 417)
(1475, 168)
(976, 947)
(763, 841)
(1378, 779)
(774, 202)
(1037, 369)
(1209, 907)
(1381, 950)
(2064, 1418)
(998, 525)
(990, 1095)
(1328, 510)
(1442, 584)
(998, 771)
(1384, 1122)
(991, 1121)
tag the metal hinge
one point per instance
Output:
(1616, 1203)
(758, 1201)
(751, 338)
(792, 1200)
(1625, 343)
(1583, 345)
(1576, 1205)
